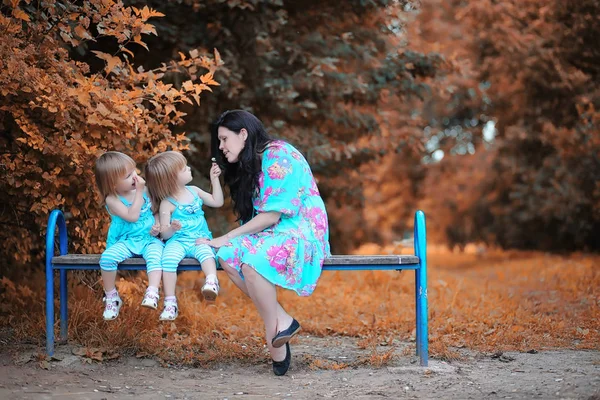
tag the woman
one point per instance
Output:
(284, 234)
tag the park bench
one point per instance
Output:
(65, 262)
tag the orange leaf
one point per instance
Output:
(101, 108)
(188, 86)
(126, 50)
(111, 61)
(101, 55)
(82, 32)
(138, 40)
(201, 87)
(169, 108)
(154, 13)
(111, 64)
(20, 14)
(149, 28)
(208, 79)
(148, 13)
(218, 59)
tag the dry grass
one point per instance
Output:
(497, 301)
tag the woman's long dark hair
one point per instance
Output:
(241, 177)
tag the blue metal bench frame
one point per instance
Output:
(64, 263)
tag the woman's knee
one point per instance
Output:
(249, 273)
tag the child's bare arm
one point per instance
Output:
(156, 226)
(167, 227)
(132, 213)
(214, 199)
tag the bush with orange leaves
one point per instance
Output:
(57, 113)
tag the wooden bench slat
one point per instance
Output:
(94, 259)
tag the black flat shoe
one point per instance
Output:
(283, 337)
(281, 367)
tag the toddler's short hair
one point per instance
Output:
(110, 167)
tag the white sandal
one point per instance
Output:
(150, 299)
(112, 307)
(210, 290)
(170, 312)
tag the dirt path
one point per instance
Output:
(563, 374)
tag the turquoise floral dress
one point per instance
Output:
(290, 253)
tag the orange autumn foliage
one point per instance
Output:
(57, 114)
(538, 185)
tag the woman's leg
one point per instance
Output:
(284, 320)
(264, 297)
(235, 277)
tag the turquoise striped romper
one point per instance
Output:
(127, 239)
(183, 242)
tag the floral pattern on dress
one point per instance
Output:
(290, 253)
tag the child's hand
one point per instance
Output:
(175, 225)
(215, 171)
(140, 183)
(155, 229)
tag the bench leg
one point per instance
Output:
(56, 217)
(64, 321)
(420, 240)
(49, 310)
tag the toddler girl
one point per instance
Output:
(182, 222)
(133, 228)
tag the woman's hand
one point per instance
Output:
(216, 243)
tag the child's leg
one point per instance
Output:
(109, 260)
(108, 279)
(172, 255)
(206, 256)
(152, 253)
